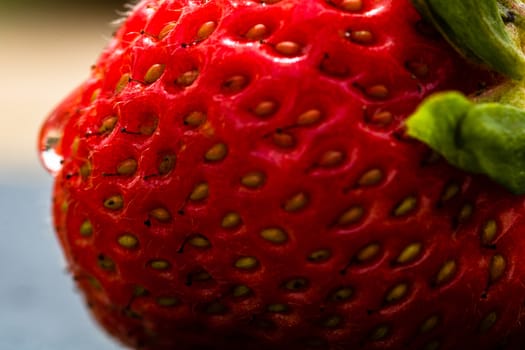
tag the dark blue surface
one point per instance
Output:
(39, 307)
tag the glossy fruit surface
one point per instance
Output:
(235, 174)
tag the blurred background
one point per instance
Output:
(46, 49)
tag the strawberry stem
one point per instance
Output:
(488, 31)
(484, 138)
(484, 134)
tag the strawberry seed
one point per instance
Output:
(274, 235)
(128, 241)
(200, 192)
(206, 30)
(231, 220)
(257, 32)
(86, 229)
(154, 72)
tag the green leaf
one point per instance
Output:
(487, 138)
(476, 29)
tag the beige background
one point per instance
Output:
(43, 55)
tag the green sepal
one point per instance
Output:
(486, 138)
(476, 29)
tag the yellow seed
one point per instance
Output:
(159, 264)
(195, 118)
(277, 308)
(409, 253)
(257, 32)
(288, 48)
(351, 216)
(148, 127)
(235, 83)
(283, 139)
(397, 293)
(351, 5)
(64, 207)
(296, 284)
(274, 235)
(127, 167)
(296, 202)
(332, 322)
(429, 324)
(75, 145)
(488, 322)
(128, 241)
(200, 192)
(140, 291)
(187, 78)
(265, 108)
(231, 220)
(379, 333)
(95, 95)
(154, 72)
(108, 124)
(115, 202)
(320, 255)
(167, 301)
(331, 159)
(362, 37)
(450, 192)
(85, 170)
(160, 214)
(254, 179)
(166, 30)
(342, 294)
(200, 241)
(94, 283)
(241, 291)
(465, 213)
(377, 91)
(217, 153)
(246, 263)
(497, 267)
(206, 30)
(406, 206)
(382, 118)
(368, 253)
(370, 178)
(86, 229)
(446, 273)
(488, 234)
(418, 69)
(106, 263)
(309, 117)
(122, 83)
(167, 164)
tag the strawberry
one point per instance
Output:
(236, 174)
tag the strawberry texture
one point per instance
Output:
(235, 175)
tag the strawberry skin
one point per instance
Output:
(235, 175)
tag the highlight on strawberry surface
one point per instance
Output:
(238, 175)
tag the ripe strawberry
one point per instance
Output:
(234, 174)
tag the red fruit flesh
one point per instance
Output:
(235, 175)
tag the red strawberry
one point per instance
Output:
(235, 175)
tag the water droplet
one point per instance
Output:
(52, 131)
(51, 159)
